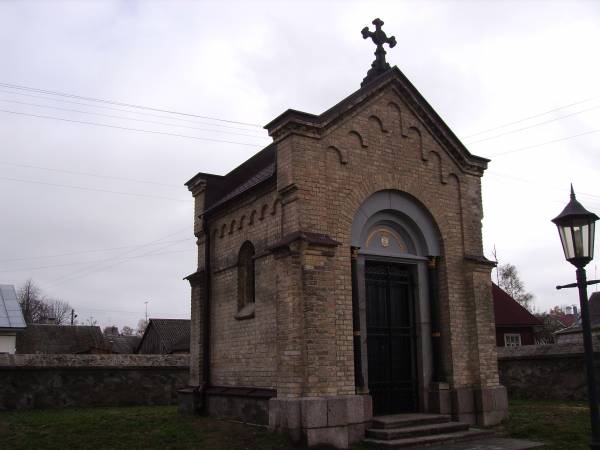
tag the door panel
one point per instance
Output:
(391, 338)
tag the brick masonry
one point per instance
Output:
(300, 341)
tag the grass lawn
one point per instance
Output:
(562, 425)
(145, 427)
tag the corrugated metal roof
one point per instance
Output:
(123, 344)
(174, 334)
(10, 311)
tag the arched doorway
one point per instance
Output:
(394, 240)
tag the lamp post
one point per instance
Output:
(576, 229)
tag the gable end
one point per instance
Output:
(310, 125)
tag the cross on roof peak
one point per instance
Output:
(379, 37)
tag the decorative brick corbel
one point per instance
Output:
(196, 279)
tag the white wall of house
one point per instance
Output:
(8, 342)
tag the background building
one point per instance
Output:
(515, 325)
(11, 318)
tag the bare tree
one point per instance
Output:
(126, 331)
(32, 305)
(37, 308)
(141, 327)
(511, 283)
(59, 310)
(111, 330)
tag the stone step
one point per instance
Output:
(420, 430)
(407, 420)
(420, 441)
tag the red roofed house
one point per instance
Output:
(565, 319)
(515, 325)
(573, 334)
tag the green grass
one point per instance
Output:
(561, 425)
(159, 427)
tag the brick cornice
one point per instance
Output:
(196, 278)
(480, 261)
(311, 125)
(313, 239)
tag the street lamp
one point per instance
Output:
(576, 229)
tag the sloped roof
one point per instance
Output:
(251, 173)
(262, 166)
(10, 311)
(182, 344)
(255, 180)
(594, 309)
(567, 320)
(509, 313)
(122, 344)
(409, 94)
(59, 339)
(173, 333)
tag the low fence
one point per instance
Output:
(58, 381)
(545, 372)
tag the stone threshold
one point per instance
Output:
(489, 443)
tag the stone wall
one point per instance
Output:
(58, 381)
(545, 372)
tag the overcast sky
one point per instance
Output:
(98, 216)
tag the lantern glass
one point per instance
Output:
(577, 239)
(576, 229)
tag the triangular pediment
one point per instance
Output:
(298, 122)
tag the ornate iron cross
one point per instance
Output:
(379, 37)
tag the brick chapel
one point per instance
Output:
(341, 273)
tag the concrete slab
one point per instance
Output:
(430, 440)
(491, 443)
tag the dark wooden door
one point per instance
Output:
(391, 338)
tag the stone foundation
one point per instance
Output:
(491, 405)
(338, 421)
(479, 406)
(248, 405)
(439, 398)
(189, 400)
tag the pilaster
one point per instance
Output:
(306, 327)
(198, 306)
(486, 400)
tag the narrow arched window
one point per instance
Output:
(245, 281)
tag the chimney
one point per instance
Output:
(575, 310)
(569, 310)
